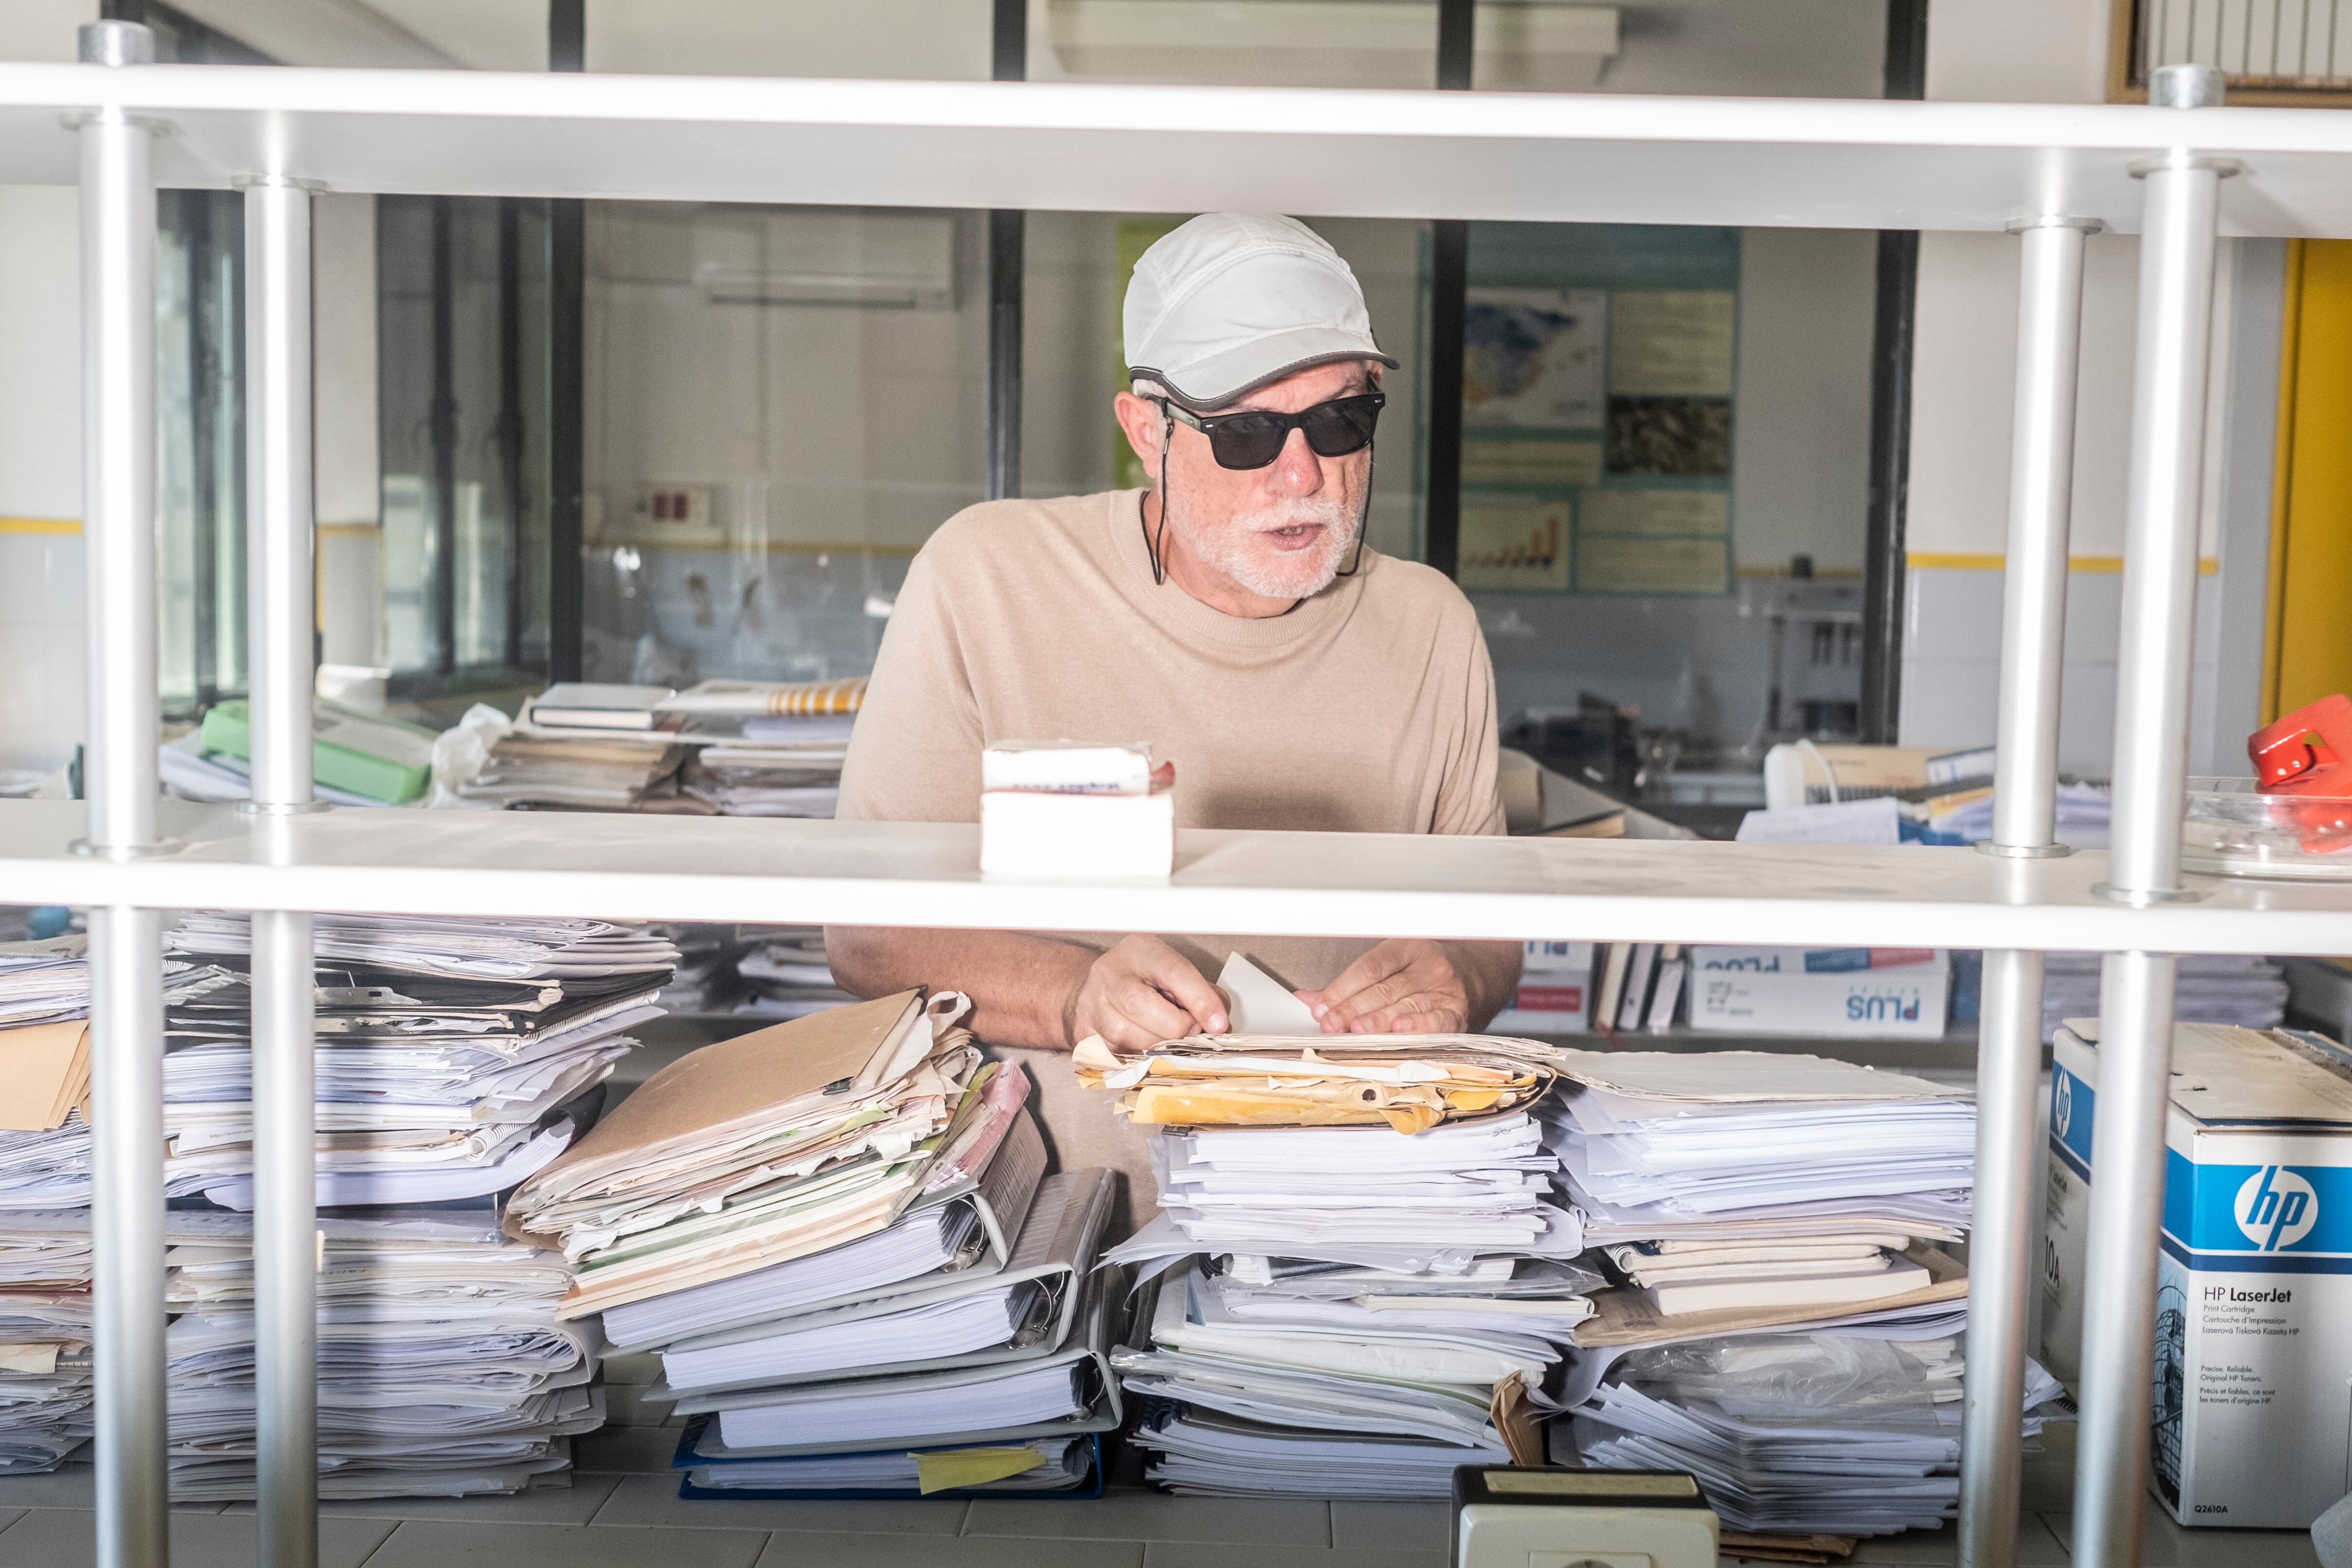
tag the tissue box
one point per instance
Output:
(1090, 838)
(1876, 992)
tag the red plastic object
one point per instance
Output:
(2303, 753)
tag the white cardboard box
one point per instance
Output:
(1867, 991)
(2254, 1360)
(1076, 838)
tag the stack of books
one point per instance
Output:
(766, 748)
(1367, 1282)
(840, 1237)
(1749, 1205)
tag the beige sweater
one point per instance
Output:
(1369, 708)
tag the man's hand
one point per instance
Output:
(1404, 985)
(1139, 993)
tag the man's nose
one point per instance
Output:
(1298, 471)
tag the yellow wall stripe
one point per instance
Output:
(2281, 467)
(2313, 571)
(1947, 560)
(40, 525)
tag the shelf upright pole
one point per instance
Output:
(119, 783)
(2025, 768)
(280, 524)
(2151, 759)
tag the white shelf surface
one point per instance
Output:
(1335, 885)
(1819, 163)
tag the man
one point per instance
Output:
(1232, 616)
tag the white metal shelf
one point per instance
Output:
(1819, 163)
(1274, 884)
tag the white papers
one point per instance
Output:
(871, 1412)
(1875, 820)
(953, 1327)
(1257, 1003)
(1067, 766)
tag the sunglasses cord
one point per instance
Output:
(1156, 549)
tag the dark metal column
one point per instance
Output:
(441, 426)
(1449, 283)
(1009, 46)
(507, 429)
(567, 432)
(1890, 415)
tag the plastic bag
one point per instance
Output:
(1796, 1375)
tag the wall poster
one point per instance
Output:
(1598, 363)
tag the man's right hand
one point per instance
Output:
(1142, 992)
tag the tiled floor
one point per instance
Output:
(634, 1519)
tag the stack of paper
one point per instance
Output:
(789, 976)
(592, 770)
(2214, 987)
(1749, 1203)
(449, 1049)
(1851, 1429)
(45, 1336)
(763, 767)
(442, 1370)
(1372, 1276)
(839, 1234)
(44, 981)
(1407, 1082)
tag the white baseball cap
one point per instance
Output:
(1231, 301)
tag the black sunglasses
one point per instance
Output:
(1254, 437)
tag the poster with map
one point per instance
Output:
(1534, 359)
(1599, 373)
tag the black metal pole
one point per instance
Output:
(441, 423)
(507, 433)
(1449, 284)
(1007, 268)
(567, 429)
(1884, 564)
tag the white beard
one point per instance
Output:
(1234, 549)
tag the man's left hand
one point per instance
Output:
(1407, 985)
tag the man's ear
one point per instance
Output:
(1144, 424)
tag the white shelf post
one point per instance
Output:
(279, 531)
(2151, 758)
(2009, 1053)
(118, 784)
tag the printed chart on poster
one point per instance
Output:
(1598, 363)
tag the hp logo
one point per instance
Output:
(2062, 1102)
(2276, 1208)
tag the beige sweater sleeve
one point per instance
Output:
(914, 754)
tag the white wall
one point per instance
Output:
(1964, 369)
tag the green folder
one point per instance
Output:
(366, 754)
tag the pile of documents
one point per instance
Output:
(1851, 1429)
(767, 748)
(2213, 987)
(1410, 1083)
(454, 1056)
(838, 1233)
(1750, 1204)
(451, 1050)
(442, 1370)
(45, 1328)
(1750, 1179)
(589, 771)
(789, 977)
(1363, 1278)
